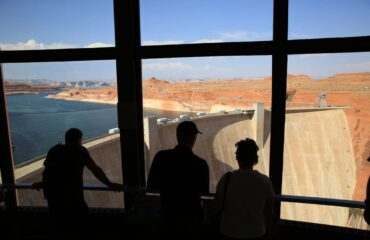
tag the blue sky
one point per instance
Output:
(45, 24)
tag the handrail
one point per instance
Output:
(281, 198)
(321, 201)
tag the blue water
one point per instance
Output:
(37, 123)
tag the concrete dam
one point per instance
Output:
(318, 158)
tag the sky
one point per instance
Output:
(45, 24)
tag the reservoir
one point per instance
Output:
(38, 123)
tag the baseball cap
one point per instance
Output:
(187, 128)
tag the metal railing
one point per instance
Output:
(210, 196)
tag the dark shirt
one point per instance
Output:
(181, 177)
(367, 203)
(63, 175)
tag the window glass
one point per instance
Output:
(327, 129)
(42, 24)
(228, 98)
(328, 18)
(177, 22)
(45, 100)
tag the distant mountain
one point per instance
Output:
(88, 84)
(34, 81)
(85, 84)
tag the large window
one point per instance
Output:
(316, 88)
(207, 21)
(229, 98)
(328, 18)
(326, 131)
(44, 101)
(42, 24)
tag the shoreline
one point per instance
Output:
(82, 100)
(161, 105)
(22, 93)
(155, 104)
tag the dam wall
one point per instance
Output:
(216, 144)
(318, 162)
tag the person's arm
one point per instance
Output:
(100, 175)
(219, 196)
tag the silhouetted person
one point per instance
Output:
(2, 212)
(8, 229)
(62, 181)
(181, 177)
(245, 197)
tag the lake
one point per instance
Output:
(38, 123)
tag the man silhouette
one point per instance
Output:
(181, 177)
(62, 181)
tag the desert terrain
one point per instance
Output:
(349, 90)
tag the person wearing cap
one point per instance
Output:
(181, 177)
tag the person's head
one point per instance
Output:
(186, 133)
(73, 137)
(246, 153)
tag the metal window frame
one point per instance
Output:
(6, 162)
(128, 54)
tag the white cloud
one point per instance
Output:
(209, 40)
(223, 37)
(177, 66)
(167, 42)
(234, 35)
(246, 35)
(183, 67)
(32, 44)
(174, 42)
(98, 45)
(314, 55)
(299, 36)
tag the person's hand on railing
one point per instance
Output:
(117, 187)
(37, 185)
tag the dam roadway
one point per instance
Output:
(318, 158)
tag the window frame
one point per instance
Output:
(128, 53)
